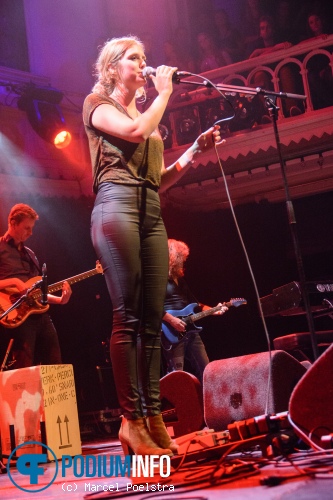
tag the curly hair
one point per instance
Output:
(178, 253)
(109, 56)
(21, 211)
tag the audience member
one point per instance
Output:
(210, 56)
(229, 38)
(315, 27)
(183, 42)
(320, 7)
(171, 55)
(319, 70)
(251, 12)
(175, 57)
(267, 41)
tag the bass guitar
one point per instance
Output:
(31, 303)
(189, 317)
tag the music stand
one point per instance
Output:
(270, 100)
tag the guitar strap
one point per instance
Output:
(189, 292)
(33, 259)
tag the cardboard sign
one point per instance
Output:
(39, 404)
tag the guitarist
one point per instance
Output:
(178, 296)
(35, 340)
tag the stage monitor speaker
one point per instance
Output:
(236, 388)
(311, 402)
(182, 406)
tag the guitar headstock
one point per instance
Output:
(99, 268)
(238, 302)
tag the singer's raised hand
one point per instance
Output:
(163, 79)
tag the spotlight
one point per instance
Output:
(44, 114)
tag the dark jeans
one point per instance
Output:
(130, 241)
(36, 342)
(192, 349)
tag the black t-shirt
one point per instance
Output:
(15, 263)
(178, 296)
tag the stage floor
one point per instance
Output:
(234, 474)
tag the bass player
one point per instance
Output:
(35, 340)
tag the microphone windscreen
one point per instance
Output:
(147, 71)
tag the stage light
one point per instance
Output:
(44, 114)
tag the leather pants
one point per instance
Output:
(130, 240)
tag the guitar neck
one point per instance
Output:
(75, 279)
(207, 312)
(36, 294)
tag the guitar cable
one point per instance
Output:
(209, 83)
(252, 277)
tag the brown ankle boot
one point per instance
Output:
(159, 433)
(135, 439)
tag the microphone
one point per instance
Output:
(44, 285)
(148, 70)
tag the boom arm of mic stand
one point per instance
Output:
(284, 95)
(290, 210)
(242, 90)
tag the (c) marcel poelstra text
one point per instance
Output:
(93, 488)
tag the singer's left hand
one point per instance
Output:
(66, 293)
(208, 139)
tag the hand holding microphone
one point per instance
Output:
(162, 78)
(149, 71)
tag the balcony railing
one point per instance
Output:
(289, 71)
(305, 126)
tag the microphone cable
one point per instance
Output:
(209, 83)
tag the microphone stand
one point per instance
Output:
(21, 299)
(270, 99)
(273, 109)
(16, 304)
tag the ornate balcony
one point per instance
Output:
(249, 157)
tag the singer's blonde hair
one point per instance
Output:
(109, 56)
